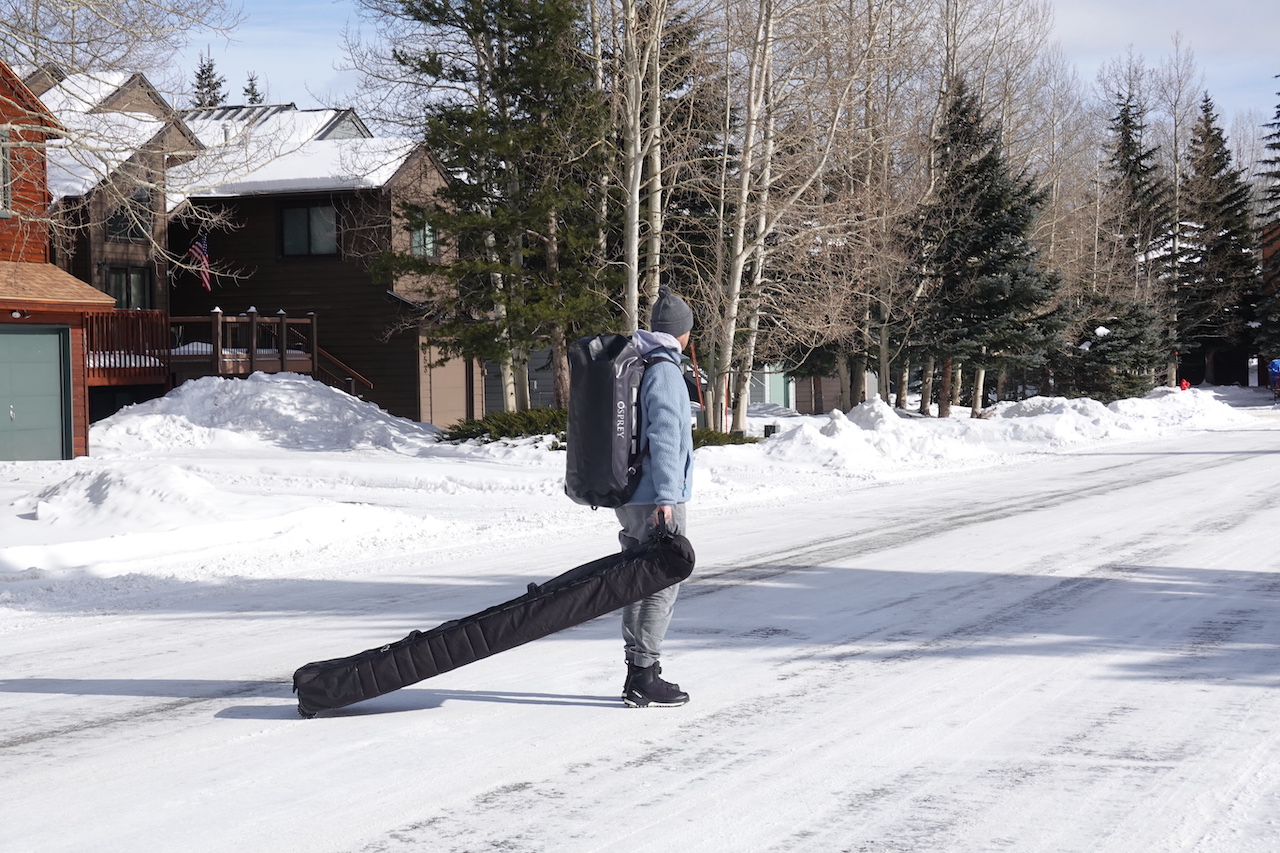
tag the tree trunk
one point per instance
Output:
(926, 387)
(979, 391)
(857, 379)
(634, 71)
(904, 376)
(559, 347)
(559, 367)
(846, 384)
(653, 253)
(884, 367)
(520, 374)
(947, 374)
(742, 381)
(508, 377)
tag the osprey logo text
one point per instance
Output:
(620, 420)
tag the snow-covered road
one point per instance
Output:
(1080, 652)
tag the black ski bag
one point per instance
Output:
(580, 594)
(603, 441)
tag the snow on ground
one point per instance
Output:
(179, 486)
(904, 634)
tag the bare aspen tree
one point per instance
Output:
(100, 45)
(1066, 162)
(638, 80)
(1248, 150)
(91, 36)
(775, 87)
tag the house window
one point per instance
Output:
(309, 230)
(131, 286)
(131, 221)
(6, 176)
(422, 242)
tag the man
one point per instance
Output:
(666, 484)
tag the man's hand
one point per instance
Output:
(664, 513)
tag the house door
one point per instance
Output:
(35, 393)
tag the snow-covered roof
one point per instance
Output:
(278, 148)
(93, 146)
(81, 93)
(317, 165)
(95, 142)
(284, 123)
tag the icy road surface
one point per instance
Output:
(1080, 653)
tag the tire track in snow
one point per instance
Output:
(270, 688)
(906, 531)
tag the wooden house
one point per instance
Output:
(107, 181)
(307, 201)
(110, 221)
(44, 409)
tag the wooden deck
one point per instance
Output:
(237, 346)
(152, 348)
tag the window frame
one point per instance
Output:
(138, 228)
(287, 241)
(6, 175)
(127, 273)
(424, 242)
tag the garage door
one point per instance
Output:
(35, 405)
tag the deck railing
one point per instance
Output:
(331, 371)
(152, 348)
(127, 347)
(237, 346)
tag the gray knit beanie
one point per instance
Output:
(671, 314)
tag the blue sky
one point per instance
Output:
(293, 46)
(1236, 43)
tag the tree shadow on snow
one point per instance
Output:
(1150, 622)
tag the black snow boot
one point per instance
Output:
(645, 688)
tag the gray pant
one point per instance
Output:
(645, 622)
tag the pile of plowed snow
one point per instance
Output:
(286, 410)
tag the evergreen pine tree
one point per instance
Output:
(252, 94)
(991, 296)
(1140, 214)
(1221, 267)
(1267, 315)
(517, 225)
(1270, 214)
(208, 84)
(1114, 347)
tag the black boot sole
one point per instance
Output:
(643, 702)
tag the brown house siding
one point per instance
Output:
(353, 312)
(24, 238)
(88, 253)
(452, 392)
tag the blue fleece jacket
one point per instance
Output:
(666, 466)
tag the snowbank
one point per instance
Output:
(223, 478)
(286, 410)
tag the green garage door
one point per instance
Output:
(35, 405)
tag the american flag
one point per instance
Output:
(200, 252)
